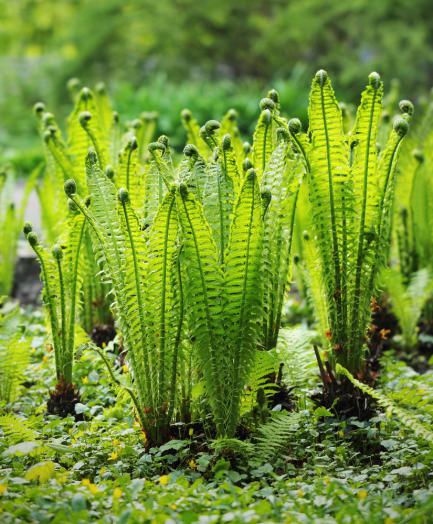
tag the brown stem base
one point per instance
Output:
(63, 399)
(341, 397)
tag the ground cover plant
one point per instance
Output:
(182, 368)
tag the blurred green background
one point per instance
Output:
(207, 55)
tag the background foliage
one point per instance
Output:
(172, 49)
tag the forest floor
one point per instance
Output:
(96, 467)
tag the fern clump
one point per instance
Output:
(351, 192)
(61, 273)
(201, 248)
(143, 270)
(413, 214)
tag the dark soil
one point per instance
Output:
(341, 397)
(102, 334)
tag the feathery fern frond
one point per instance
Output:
(17, 429)
(274, 437)
(408, 419)
(407, 301)
(204, 297)
(218, 201)
(295, 350)
(243, 311)
(266, 364)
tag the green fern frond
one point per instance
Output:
(78, 140)
(163, 305)
(264, 135)
(281, 180)
(17, 429)
(218, 201)
(204, 297)
(266, 364)
(408, 301)
(351, 193)
(295, 350)
(408, 419)
(243, 311)
(276, 436)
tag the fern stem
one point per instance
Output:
(95, 143)
(177, 341)
(221, 213)
(66, 369)
(265, 137)
(128, 168)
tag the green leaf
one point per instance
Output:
(41, 472)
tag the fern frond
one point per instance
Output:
(408, 419)
(265, 365)
(264, 136)
(164, 315)
(274, 437)
(78, 140)
(365, 196)
(14, 359)
(17, 429)
(295, 350)
(204, 297)
(218, 201)
(408, 302)
(329, 190)
(128, 173)
(281, 181)
(243, 311)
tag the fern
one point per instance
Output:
(413, 215)
(280, 182)
(265, 365)
(14, 355)
(408, 301)
(148, 309)
(406, 418)
(274, 437)
(17, 429)
(295, 350)
(61, 275)
(11, 223)
(351, 192)
(204, 297)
